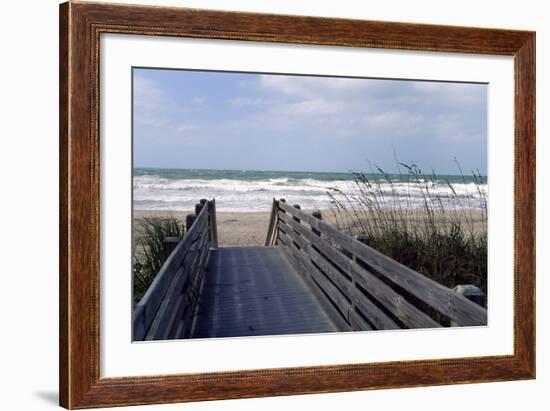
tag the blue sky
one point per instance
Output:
(213, 120)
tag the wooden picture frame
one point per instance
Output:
(80, 27)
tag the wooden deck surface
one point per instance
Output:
(255, 291)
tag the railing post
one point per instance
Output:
(198, 208)
(203, 202)
(272, 230)
(472, 293)
(169, 245)
(213, 223)
(316, 214)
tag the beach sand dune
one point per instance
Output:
(250, 228)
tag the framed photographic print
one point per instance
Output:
(257, 205)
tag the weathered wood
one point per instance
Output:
(342, 239)
(161, 321)
(472, 293)
(147, 308)
(441, 298)
(213, 223)
(335, 256)
(338, 298)
(200, 263)
(359, 300)
(193, 290)
(257, 291)
(154, 314)
(407, 313)
(282, 239)
(198, 208)
(369, 310)
(329, 294)
(177, 313)
(272, 228)
(292, 235)
(317, 290)
(189, 267)
(329, 308)
(358, 323)
(343, 284)
(327, 257)
(316, 214)
(296, 206)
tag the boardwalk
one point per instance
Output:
(308, 278)
(255, 291)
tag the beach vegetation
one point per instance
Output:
(439, 233)
(148, 250)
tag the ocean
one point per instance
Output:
(249, 190)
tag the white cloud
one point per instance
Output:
(372, 107)
(248, 102)
(200, 100)
(450, 94)
(310, 108)
(154, 108)
(393, 120)
(184, 127)
(148, 94)
(317, 87)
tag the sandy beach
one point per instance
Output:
(250, 228)
(233, 228)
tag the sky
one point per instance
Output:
(249, 121)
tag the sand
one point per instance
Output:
(234, 229)
(250, 228)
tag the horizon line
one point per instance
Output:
(295, 171)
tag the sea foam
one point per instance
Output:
(160, 190)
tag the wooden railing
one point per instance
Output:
(360, 287)
(168, 307)
(271, 238)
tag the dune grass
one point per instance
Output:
(149, 234)
(443, 237)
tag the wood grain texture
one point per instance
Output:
(313, 248)
(525, 205)
(80, 27)
(252, 291)
(63, 204)
(170, 276)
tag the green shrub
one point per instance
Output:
(149, 255)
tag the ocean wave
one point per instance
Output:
(159, 193)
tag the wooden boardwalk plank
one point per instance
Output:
(251, 291)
